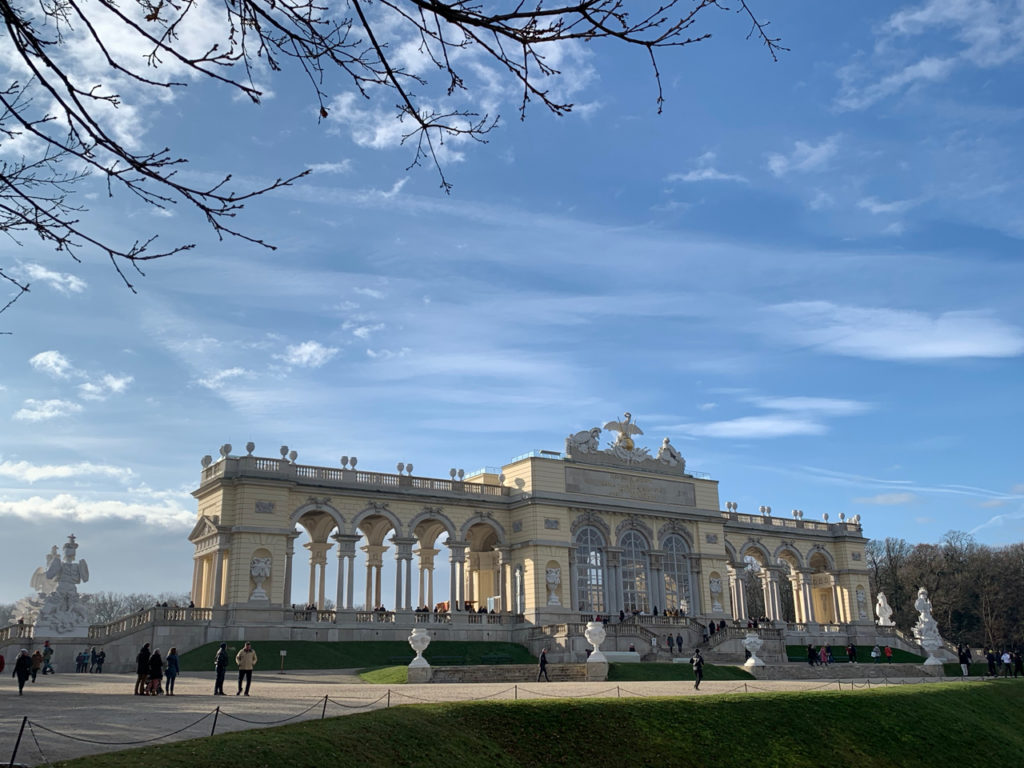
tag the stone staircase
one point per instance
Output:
(509, 673)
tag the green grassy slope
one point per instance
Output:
(954, 724)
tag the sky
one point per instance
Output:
(807, 273)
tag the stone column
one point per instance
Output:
(426, 575)
(457, 583)
(317, 581)
(289, 554)
(374, 562)
(736, 591)
(346, 559)
(197, 572)
(574, 580)
(614, 580)
(656, 558)
(403, 585)
(218, 577)
(840, 618)
(503, 580)
(806, 596)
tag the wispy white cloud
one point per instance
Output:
(756, 427)
(895, 334)
(44, 410)
(805, 157)
(345, 166)
(705, 171)
(929, 69)
(105, 386)
(70, 508)
(52, 363)
(308, 354)
(823, 405)
(24, 471)
(887, 499)
(218, 379)
(876, 206)
(60, 281)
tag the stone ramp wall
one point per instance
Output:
(509, 673)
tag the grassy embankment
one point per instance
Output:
(938, 724)
(899, 656)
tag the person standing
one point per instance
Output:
(671, 645)
(100, 658)
(171, 672)
(697, 662)
(220, 663)
(888, 654)
(246, 660)
(47, 657)
(156, 672)
(142, 670)
(22, 669)
(543, 670)
(964, 659)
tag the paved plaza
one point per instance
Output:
(102, 708)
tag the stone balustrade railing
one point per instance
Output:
(789, 522)
(16, 632)
(152, 615)
(256, 466)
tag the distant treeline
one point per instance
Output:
(107, 606)
(977, 591)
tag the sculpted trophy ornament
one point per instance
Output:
(553, 579)
(419, 640)
(585, 441)
(63, 612)
(668, 454)
(715, 586)
(624, 448)
(259, 570)
(883, 611)
(595, 634)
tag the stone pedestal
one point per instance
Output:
(421, 674)
(597, 671)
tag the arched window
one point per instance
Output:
(677, 575)
(634, 572)
(590, 570)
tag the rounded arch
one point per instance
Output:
(730, 552)
(434, 516)
(633, 524)
(481, 518)
(757, 550)
(317, 507)
(377, 510)
(674, 528)
(817, 555)
(592, 520)
(794, 559)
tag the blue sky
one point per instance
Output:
(806, 273)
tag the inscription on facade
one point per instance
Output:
(579, 480)
(517, 526)
(264, 507)
(711, 538)
(855, 555)
(550, 524)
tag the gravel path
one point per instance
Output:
(102, 708)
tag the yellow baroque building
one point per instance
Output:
(548, 539)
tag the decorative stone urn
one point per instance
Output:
(595, 635)
(419, 640)
(753, 644)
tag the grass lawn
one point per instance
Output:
(910, 726)
(358, 655)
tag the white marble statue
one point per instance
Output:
(926, 630)
(586, 441)
(753, 642)
(63, 612)
(553, 579)
(883, 611)
(259, 569)
(39, 582)
(668, 454)
(595, 634)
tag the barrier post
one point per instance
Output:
(389, 698)
(18, 742)
(324, 713)
(213, 728)
(517, 693)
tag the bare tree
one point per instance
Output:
(62, 113)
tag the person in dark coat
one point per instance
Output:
(142, 671)
(220, 663)
(156, 672)
(543, 666)
(697, 662)
(22, 669)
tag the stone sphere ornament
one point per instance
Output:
(250, 447)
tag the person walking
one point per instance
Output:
(142, 670)
(22, 669)
(37, 664)
(246, 660)
(888, 654)
(171, 673)
(697, 662)
(543, 670)
(220, 663)
(47, 658)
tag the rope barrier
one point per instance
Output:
(38, 747)
(42, 727)
(359, 706)
(273, 722)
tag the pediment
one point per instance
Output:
(205, 526)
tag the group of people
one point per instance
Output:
(1007, 662)
(155, 674)
(27, 666)
(90, 660)
(673, 643)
